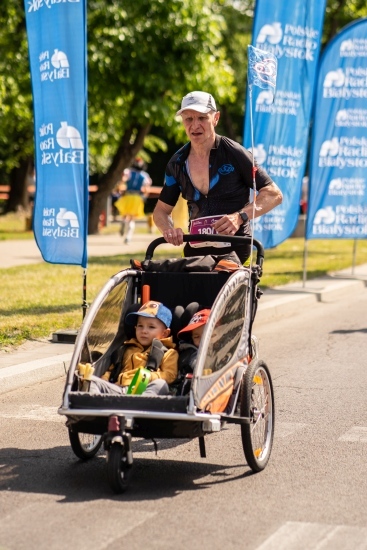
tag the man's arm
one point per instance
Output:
(163, 220)
(268, 198)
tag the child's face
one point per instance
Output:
(148, 328)
(197, 334)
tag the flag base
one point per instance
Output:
(64, 336)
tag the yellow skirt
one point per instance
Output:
(130, 205)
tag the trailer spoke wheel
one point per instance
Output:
(257, 403)
(85, 446)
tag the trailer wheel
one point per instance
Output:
(85, 446)
(118, 469)
(257, 403)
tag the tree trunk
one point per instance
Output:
(20, 178)
(123, 159)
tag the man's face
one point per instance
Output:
(200, 127)
(148, 328)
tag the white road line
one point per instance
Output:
(78, 526)
(35, 412)
(8, 372)
(357, 434)
(284, 429)
(295, 535)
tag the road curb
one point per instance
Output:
(283, 305)
(276, 303)
(291, 299)
(33, 372)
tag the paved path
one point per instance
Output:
(37, 361)
(24, 252)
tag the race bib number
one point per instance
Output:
(204, 226)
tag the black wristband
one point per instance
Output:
(244, 217)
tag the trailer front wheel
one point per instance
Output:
(118, 469)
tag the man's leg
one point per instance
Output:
(130, 231)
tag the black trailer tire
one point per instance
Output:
(118, 469)
(85, 446)
(257, 403)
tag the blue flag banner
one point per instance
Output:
(337, 205)
(292, 33)
(262, 69)
(57, 51)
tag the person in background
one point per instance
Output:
(131, 204)
(116, 193)
(214, 174)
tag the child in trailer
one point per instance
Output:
(151, 349)
(190, 338)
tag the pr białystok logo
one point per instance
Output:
(67, 137)
(54, 67)
(259, 153)
(270, 33)
(61, 224)
(67, 218)
(334, 78)
(324, 215)
(292, 41)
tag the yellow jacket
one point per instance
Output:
(135, 357)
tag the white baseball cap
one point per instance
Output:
(198, 101)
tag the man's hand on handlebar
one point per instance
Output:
(174, 236)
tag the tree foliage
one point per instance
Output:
(16, 121)
(143, 56)
(339, 13)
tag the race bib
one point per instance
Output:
(204, 226)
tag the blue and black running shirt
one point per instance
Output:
(230, 181)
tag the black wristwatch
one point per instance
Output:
(244, 217)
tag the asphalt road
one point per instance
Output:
(312, 495)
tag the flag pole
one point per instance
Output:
(354, 256)
(305, 252)
(84, 293)
(254, 170)
(262, 71)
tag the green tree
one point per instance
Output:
(16, 127)
(143, 56)
(339, 13)
(236, 36)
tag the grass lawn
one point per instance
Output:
(39, 299)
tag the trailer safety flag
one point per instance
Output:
(337, 206)
(262, 69)
(292, 32)
(57, 51)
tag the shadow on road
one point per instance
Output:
(57, 471)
